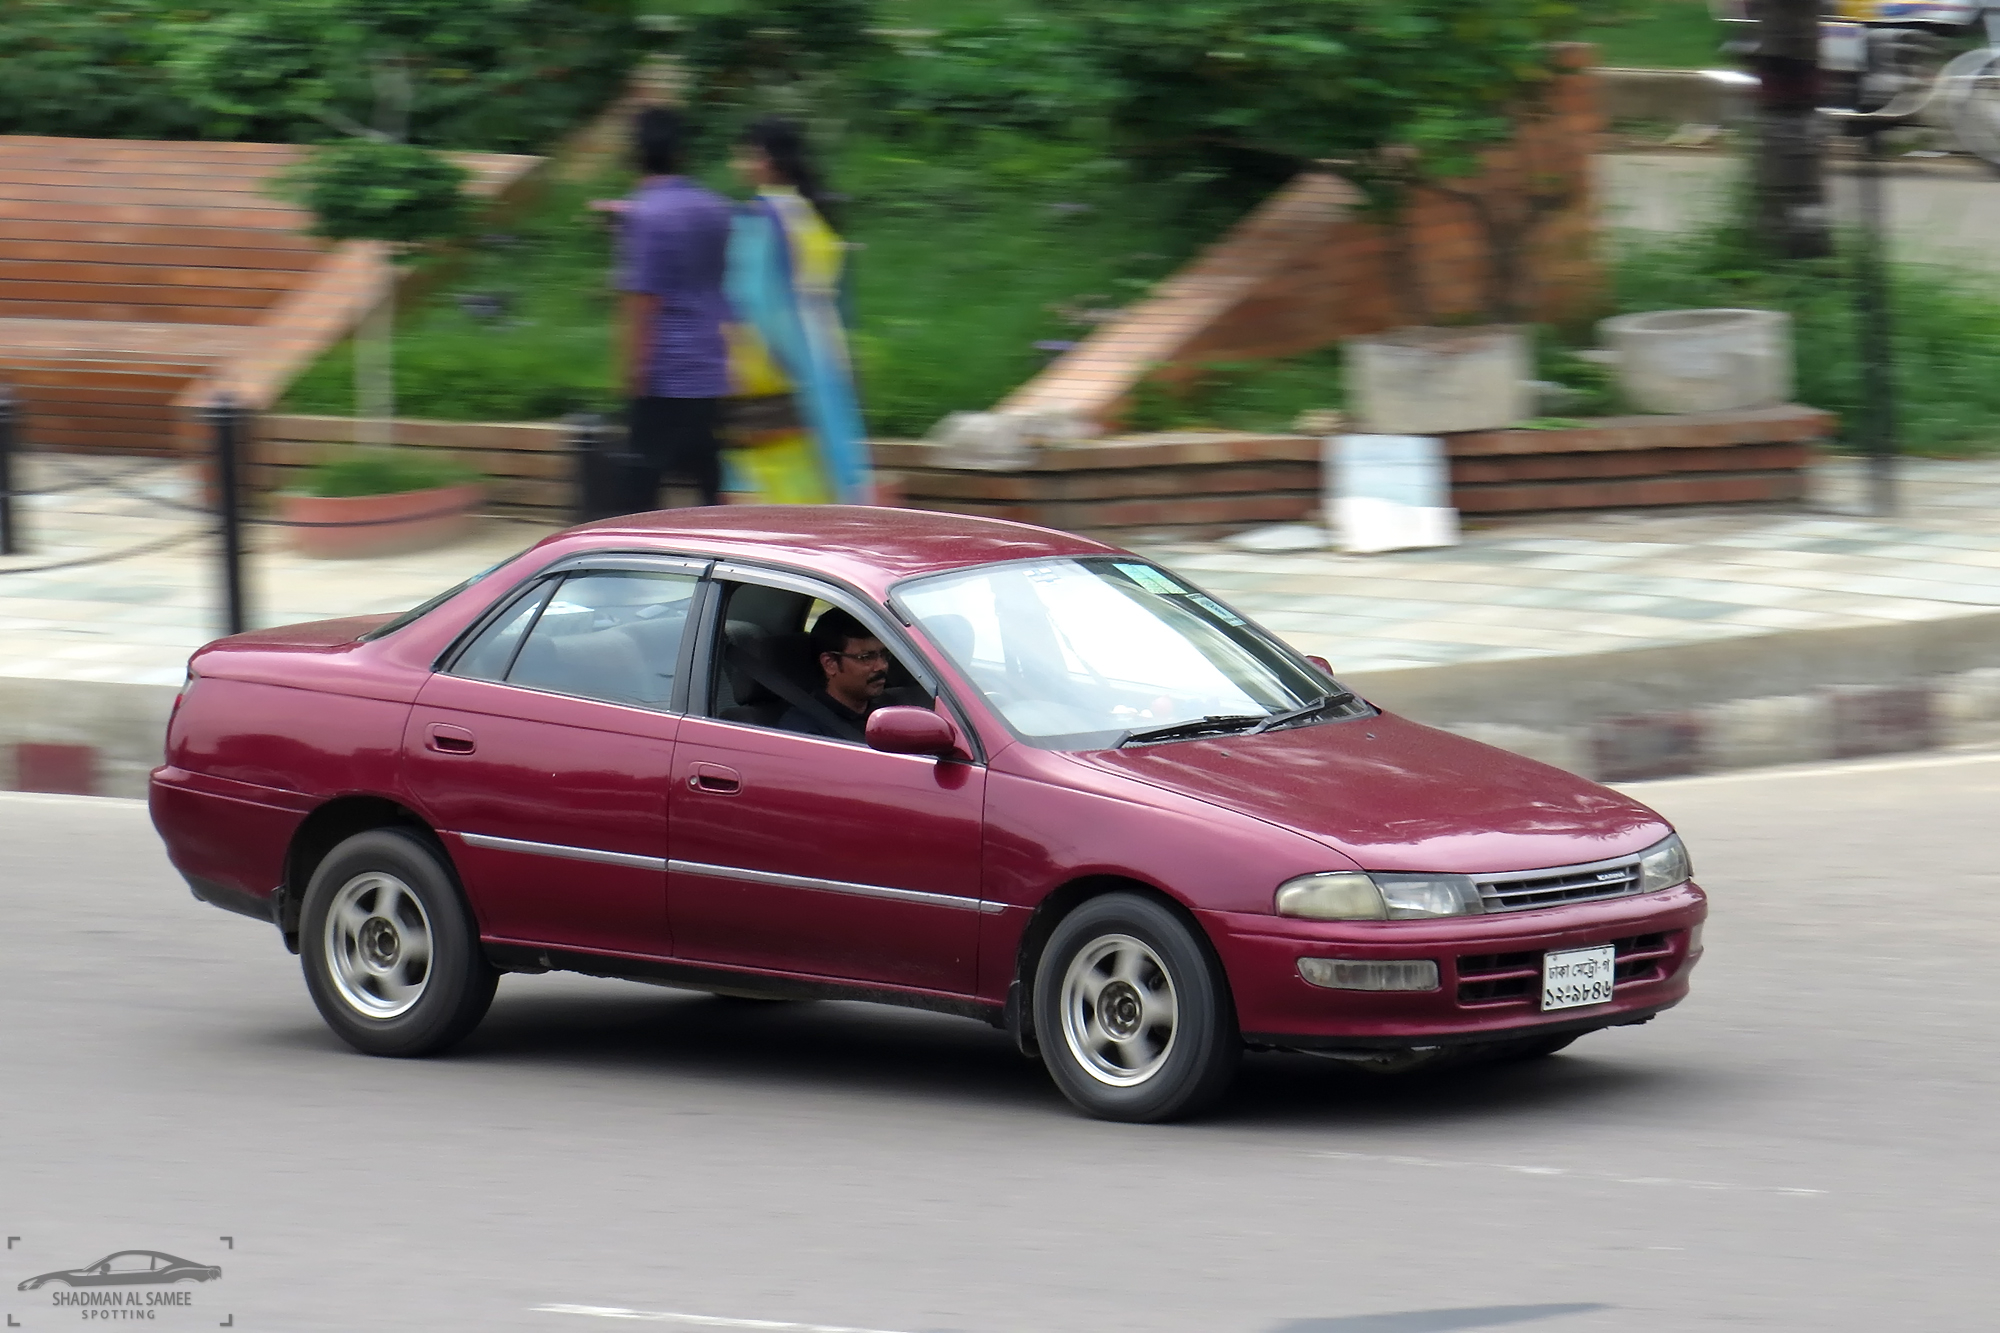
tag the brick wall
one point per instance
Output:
(527, 464)
(1193, 484)
(1186, 483)
(1301, 271)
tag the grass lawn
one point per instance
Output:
(1671, 34)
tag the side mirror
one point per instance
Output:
(1321, 663)
(899, 730)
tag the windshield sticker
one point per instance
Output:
(1216, 609)
(1152, 580)
(1044, 574)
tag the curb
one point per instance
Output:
(1789, 697)
(81, 737)
(1793, 696)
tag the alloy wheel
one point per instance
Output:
(379, 945)
(1120, 1014)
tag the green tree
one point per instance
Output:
(507, 75)
(376, 189)
(1398, 93)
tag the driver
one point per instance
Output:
(856, 668)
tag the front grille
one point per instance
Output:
(1502, 978)
(1519, 890)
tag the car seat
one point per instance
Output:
(598, 664)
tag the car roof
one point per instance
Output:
(869, 545)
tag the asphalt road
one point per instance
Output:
(1806, 1144)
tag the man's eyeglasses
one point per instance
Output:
(880, 657)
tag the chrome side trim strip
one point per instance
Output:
(564, 853)
(949, 900)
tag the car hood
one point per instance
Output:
(1394, 795)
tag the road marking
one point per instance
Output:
(1605, 1176)
(700, 1320)
(1818, 770)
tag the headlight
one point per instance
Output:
(1336, 896)
(1664, 865)
(1349, 895)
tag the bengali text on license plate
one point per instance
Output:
(1578, 976)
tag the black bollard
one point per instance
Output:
(226, 420)
(10, 534)
(600, 468)
(1876, 337)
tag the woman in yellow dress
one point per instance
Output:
(796, 426)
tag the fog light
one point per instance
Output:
(1354, 974)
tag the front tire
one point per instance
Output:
(1133, 1017)
(390, 953)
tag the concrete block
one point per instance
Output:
(67, 769)
(1965, 708)
(124, 727)
(1881, 719)
(1649, 745)
(1559, 747)
(1779, 729)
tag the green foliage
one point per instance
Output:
(548, 354)
(506, 75)
(1946, 328)
(1241, 395)
(87, 69)
(1594, 383)
(351, 472)
(1401, 89)
(1668, 34)
(370, 190)
(746, 55)
(1026, 71)
(975, 254)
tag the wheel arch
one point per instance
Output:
(326, 828)
(1019, 1014)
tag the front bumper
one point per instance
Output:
(1489, 971)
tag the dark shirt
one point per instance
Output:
(674, 244)
(811, 724)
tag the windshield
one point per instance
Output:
(1087, 654)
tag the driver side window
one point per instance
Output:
(771, 669)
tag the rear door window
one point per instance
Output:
(609, 635)
(492, 653)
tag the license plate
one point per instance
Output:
(1578, 976)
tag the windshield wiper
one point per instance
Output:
(1217, 724)
(1300, 714)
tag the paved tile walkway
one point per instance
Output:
(1599, 583)
(136, 619)
(1948, 213)
(1529, 588)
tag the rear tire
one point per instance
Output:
(390, 953)
(1133, 1017)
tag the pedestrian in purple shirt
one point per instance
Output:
(672, 253)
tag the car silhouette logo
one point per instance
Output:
(129, 1268)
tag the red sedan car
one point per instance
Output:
(953, 763)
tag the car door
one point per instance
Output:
(819, 857)
(544, 749)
